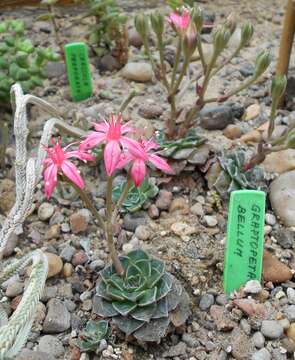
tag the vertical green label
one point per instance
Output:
(78, 71)
(245, 234)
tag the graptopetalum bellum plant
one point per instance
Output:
(15, 330)
(135, 290)
(187, 23)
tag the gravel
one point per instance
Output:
(272, 329)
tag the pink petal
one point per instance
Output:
(112, 154)
(160, 163)
(126, 128)
(135, 149)
(50, 180)
(80, 154)
(138, 172)
(128, 142)
(149, 145)
(70, 171)
(93, 139)
(101, 127)
(124, 160)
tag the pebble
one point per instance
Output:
(289, 311)
(216, 117)
(274, 270)
(78, 222)
(53, 232)
(241, 345)
(291, 295)
(133, 220)
(67, 253)
(270, 219)
(251, 112)
(51, 345)
(197, 209)
(55, 264)
(27, 354)
(142, 232)
(232, 132)
(134, 38)
(153, 212)
(285, 238)
(291, 332)
(14, 288)
(182, 229)
(262, 354)
(10, 245)
(58, 318)
(96, 265)
(164, 200)
(246, 327)
(176, 350)
(140, 72)
(150, 110)
(253, 287)
(67, 270)
(221, 318)
(180, 205)
(272, 329)
(45, 211)
(79, 258)
(206, 301)
(190, 340)
(280, 161)
(222, 299)
(282, 197)
(211, 220)
(258, 339)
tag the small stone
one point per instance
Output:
(274, 270)
(78, 223)
(221, 318)
(176, 350)
(270, 219)
(45, 211)
(280, 161)
(252, 112)
(206, 301)
(241, 345)
(10, 245)
(272, 329)
(253, 287)
(58, 318)
(150, 110)
(289, 311)
(285, 238)
(182, 229)
(53, 232)
(14, 288)
(197, 209)
(289, 345)
(109, 63)
(143, 232)
(140, 72)
(51, 345)
(134, 38)
(232, 132)
(55, 69)
(253, 136)
(79, 258)
(222, 299)
(67, 270)
(216, 117)
(245, 326)
(7, 195)
(164, 200)
(133, 220)
(67, 253)
(211, 220)
(54, 264)
(262, 354)
(27, 354)
(153, 212)
(180, 205)
(49, 292)
(258, 339)
(291, 295)
(285, 323)
(291, 332)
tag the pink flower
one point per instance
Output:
(139, 155)
(57, 161)
(180, 21)
(111, 133)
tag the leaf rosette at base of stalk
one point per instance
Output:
(91, 337)
(143, 303)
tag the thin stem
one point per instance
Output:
(172, 118)
(126, 101)
(148, 51)
(180, 77)
(122, 197)
(201, 53)
(176, 62)
(109, 229)
(227, 61)
(162, 63)
(56, 32)
(272, 120)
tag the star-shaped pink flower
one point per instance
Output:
(140, 154)
(58, 161)
(180, 21)
(113, 134)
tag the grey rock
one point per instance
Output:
(58, 318)
(27, 354)
(97, 265)
(190, 340)
(14, 288)
(285, 238)
(216, 117)
(206, 301)
(164, 200)
(222, 299)
(10, 245)
(272, 329)
(290, 312)
(140, 72)
(245, 326)
(133, 220)
(176, 350)
(197, 209)
(262, 354)
(291, 295)
(55, 69)
(247, 70)
(258, 339)
(199, 156)
(211, 220)
(51, 345)
(109, 63)
(142, 232)
(134, 38)
(270, 219)
(45, 211)
(49, 292)
(67, 253)
(253, 287)
(150, 110)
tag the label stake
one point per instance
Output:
(78, 71)
(245, 234)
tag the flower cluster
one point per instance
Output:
(120, 151)
(180, 21)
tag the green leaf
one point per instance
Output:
(114, 293)
(26, 46)
(164, 286)
(124, 307)
(127, 325)
(145, 267)
(117, 281)
(133, 271)
(101, 290)
(161, 309)
(103, 308)
(148, 298)
(4, 64)
(94, 332)
(158, 270)
(136, 255)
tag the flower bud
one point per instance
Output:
(230, 23)
(190, 40)
(246, 34)
(198, 18)
(141, 25)
(262, 62)
(278, 87)
(221, 38)
(157, 21)
(291, 139)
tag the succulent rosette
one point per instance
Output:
(144, 301)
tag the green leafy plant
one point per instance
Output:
(233, 175)
(20, 61)
(141, 301)
(136, 196)
(109, 33)
(94, 332)
(187, 23)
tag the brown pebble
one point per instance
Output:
(79, 258)
(67, 270)
(232, 132)
(274, 270)
(78, 223)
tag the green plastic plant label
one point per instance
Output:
(245, 234)
(78, 71)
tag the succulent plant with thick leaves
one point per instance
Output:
(137, 196)
(234, 176)
(91, 337)
(143, 301)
